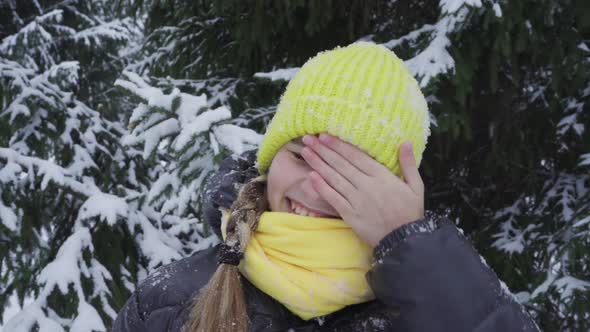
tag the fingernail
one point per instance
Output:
(408, 146)
(307, 140)
(324, 138)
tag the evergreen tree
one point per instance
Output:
(85, 214)
(183, 139)
(58, 159)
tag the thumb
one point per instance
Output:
(409, 168)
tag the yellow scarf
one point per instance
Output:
(313, 266)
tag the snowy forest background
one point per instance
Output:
(114, 112)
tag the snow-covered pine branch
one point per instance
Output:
(36, 44)
(187, 134)
(434, 59)
(95, 185)
(219, 91)
(282, 74)
(71, 185)
(568, 229)
(65, 274)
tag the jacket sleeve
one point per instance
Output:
(431, 274)
(128, 319)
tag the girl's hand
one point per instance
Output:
(366, 194)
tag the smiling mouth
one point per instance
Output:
(296, 207)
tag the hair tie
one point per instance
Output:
(230, 255)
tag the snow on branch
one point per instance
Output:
(35, 96)
(182, 117)
(7, 217)
(201, 123)
(435, 59)
(510, 238)
(283, 74)
(564, 195)
(65, 274)
(183, 130)
(452, 6)
(48, 170)
(159, 247)
(35, 38)
(18, 75)
(219, 90)
(116, 30)
(411, 37)
(26, 84)
(35, 44)
(106, 206)
(564, 286)
(238, 139)
(32, 29)
(572, 121)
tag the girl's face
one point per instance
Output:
(289, 186)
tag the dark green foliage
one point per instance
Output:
(503, 107)
(250, 36)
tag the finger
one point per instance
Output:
(337, 201)
(335, 160)
(332, 177)
(361, 160)
(409, 168)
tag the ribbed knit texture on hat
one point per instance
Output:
(362, 93)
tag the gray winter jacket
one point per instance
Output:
(426, 277)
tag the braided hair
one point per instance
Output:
(220, 305)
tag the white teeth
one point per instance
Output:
(301, 210)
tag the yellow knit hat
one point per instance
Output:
(362, 93)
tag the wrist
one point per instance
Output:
(425, 225)
(396, 224)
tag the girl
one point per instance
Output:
(324, 226)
